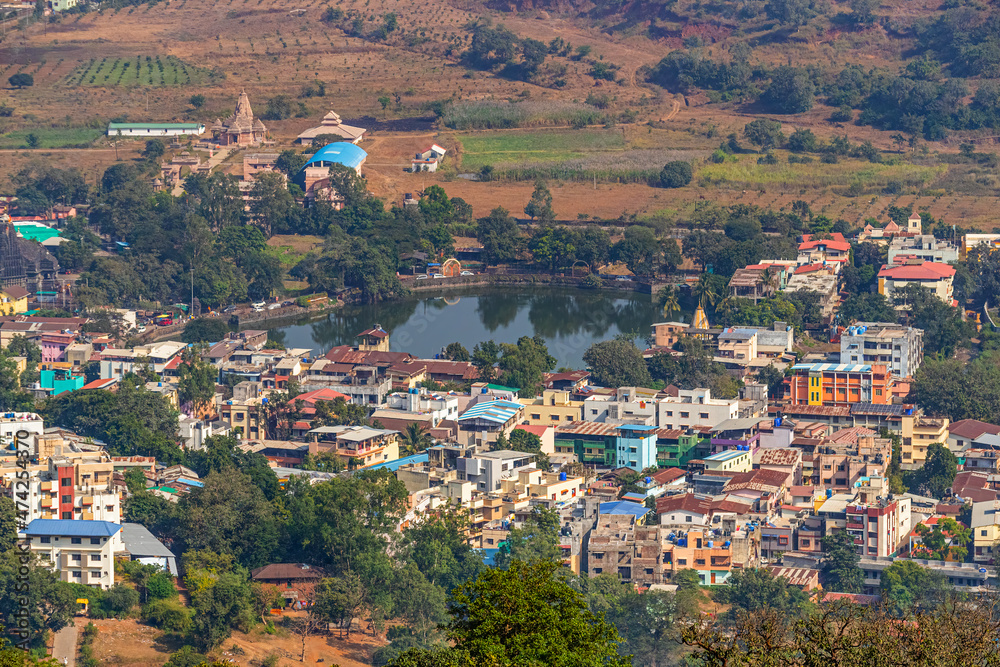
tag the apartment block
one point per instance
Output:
(839, 384)
(695, 407)
(363, 445)
(82, 552)
(552, 408)
(899, 348)
(918, 434)
(985, 527)
(876, 520)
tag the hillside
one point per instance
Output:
(592, 64)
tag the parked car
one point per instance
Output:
(289, 302)
(274, 306)
(141, 328)
(423, 276)
(229, 309)
(623, 279)
(436, 275)
(259, 305)
(467, 273)
(258, 309)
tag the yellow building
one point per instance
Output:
(985, 530)
(553, 407)
(918, 434)
(13, 300)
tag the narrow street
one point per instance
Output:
(64, 646)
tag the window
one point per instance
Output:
(682, 561)
(782, 540)
(67, 499)
(687, 519)
(45, 539)
(554, 418)
(95, 574)
(109, 508)
(95, 558)
(702, 415)
(700, 561)
(76, 540)
(66, 481)
(685, 415)
(77, 574)
(536, 415)
(805, 543)
(982, 533)
(67, 515)
(670, 413)
(77, 558)
(878, 392)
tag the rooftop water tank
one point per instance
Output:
(727, 544)
(486, 390)
(777, 421)
(562, 477)
(829, 493)
(711, 544)
(649, 480)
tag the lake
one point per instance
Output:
(570, 320)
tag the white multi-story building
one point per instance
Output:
(695, 407)
(435, 406)
(74, 488)
(82, 552)
(899, 348)
(12, 423)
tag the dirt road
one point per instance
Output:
(64, 646)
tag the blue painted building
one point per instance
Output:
(636, 447)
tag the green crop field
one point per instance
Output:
(536, 146)
(138, 71)
(745, 172)
(69, 137)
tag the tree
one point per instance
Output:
(339, 599)
(523, 441)
(279, 107)
(215, 517)
(540, 204)
(21, 80)
(617, 363)
(290, 162)
(35, 600)
(522, 364)
(667, 298)
(649, 625)
(8, 524)
(866, 308)
(270, 202)
(756, 589)
(223, 605)
(675, 174)
(764, 133)
(415, 438)
(499, 235)
(197, 101)
(791, 90)
(154, 149)
(435, 205)
(537, 539)
(958, 389)
(638, 249)
(197, 380)
(456, 352)
(205, 330)
(937, 473)
(907, 586)
(863, 11)
(841, 564)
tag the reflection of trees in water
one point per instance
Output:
(498, 309)
(343, 326)
(561, 315)
(278, 336)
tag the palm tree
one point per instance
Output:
(415, 438)
(726, 307)
(704, 290)
(668, 300)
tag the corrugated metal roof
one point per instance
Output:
(623, 507)
(833, 368)
(340, 152)
(140, 542)
(495, 411)
(72, 527)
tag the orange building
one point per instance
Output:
(839, 384)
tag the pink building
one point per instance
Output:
(53, 346)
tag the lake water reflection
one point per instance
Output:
(569, 320)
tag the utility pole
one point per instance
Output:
(191, 314)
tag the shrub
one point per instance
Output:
(767, 158)
(168, 615)
(592, 281)
(829, 158)
(160, 586)
(676, 174)
(799, 159)
(120, 599)
(844, 114)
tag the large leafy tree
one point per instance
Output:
(617, 363)
(499, 235)
(522, 364)
(525, 616)
(840, 566)
(907, 586)
(936, 475)
(537, 539)
(756, 589)
(50, 603)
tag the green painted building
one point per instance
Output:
(674, 447)
(589, 442)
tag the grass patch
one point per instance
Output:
(745, 172)
(51, 137)
(541, 146)
(138, 71)
(289, 250)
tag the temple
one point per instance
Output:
(240, 129)
(24, 263)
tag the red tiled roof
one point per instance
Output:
(809, 268)
(538, 430)
(285, 571)
(687, 502)
(376, 333)
(829, 244)
(779, 457)
(757, 480)
(324, 394)
(972, 428)
(925, 271)
(15, 291)
(669, 475)
(100, 384)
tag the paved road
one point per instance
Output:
(64, 646)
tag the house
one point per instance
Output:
(24, 262)
(428, 160)
(734, 460)
(81, 552)
(154, 129)
(675, 447)
(925, 247)
(296, 580)
(918, 434)
(13, 300)
(989, 241)
(589, 442)
(141, 545)
(834, 250)
(241, 128)
(819, 281)
(552, 408)
(365, 445)
(985, 527)
(636, 447)
(484, 421)
(256, 163)
(968, 433)
(755, 282)
(695, 407)
(876, 520)
(936, 277)
(332, 125)
(487, 470)
(899, 348)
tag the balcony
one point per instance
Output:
(47, 502)
(87, 500)
(45, 486)
(856, 526)
(87, 516)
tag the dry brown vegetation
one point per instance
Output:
(271, 50)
